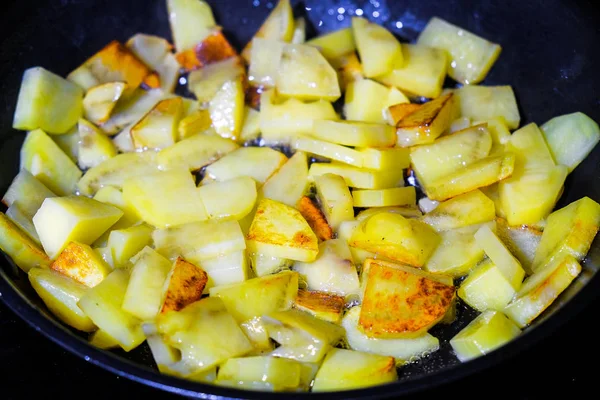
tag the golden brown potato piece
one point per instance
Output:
(348, 68)
(399, 111)
(401, 301)
(212, 49)
(425, 124)
(81, 263)
(115, 62)
(315, 218)
(253, 96)
(186, 284)
(322, 305)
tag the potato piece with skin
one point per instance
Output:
(259, 163)
(570, 230)
(471, 56)
(195, 152)
(379, 50)
(463, 210)
(391, 235)
(304, 73)
(500, 255)
(190, 20)
(359, 178)
(226, 109)
(481, 173)
(232, 199)
(434, 161)
(541, 289)
(61, 295)
(426, 123)
(144, 294)
(155, 52)
(358, 134)
(183, 286)
(289, 183)
(335, 199)
(258, 296)
(332, 271)
(205, 334)
(401, 301)
(349, 369)
(206, 82)
(158, 129)
(301, 336)
(94, 146)
(279, 25)
(403, 350)
(277, 374)
(102, 304)
(99, 101)
(48, 163)
(367, 101)
(281, 121)
(315, 218)
(165, 198)
(125, 243)
(487, 102)
(423, 71)
(487, 288)
(280, 231)
(484, 334)
(403, 196)
(457, 252)
(335, 44)
(328, 307)
(61, 220)
(47, 101)
(115, 63)
(82, 264)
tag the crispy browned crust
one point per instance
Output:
(315, 218)
(425, 114)
(211, 50)
(78, 262)
(399, 111)
(253, 94)
(186, 285)
(117, 57)
(320, 301)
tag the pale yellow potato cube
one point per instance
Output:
(258, 163)
(195, 152)
(333, 271)
(360, 178)
(158, 129)
(258, 296)
(99, 101)
(199, 240)
(225, 269)
(231, 199)
(487, 102)
(289, 183)
(484, 334)
(402, 196)
(394, 158)
(471, 56)
(280, 374)
(409, 211)
(487, 288)
(94, 147)
(226, 109)
(366, 100)
(125, 243)
(350, 133)
(349, 369)
(22, 250)
(144, 295)
(522, 241)
(207, 81)
(334, 44)
(257, 333)
(329, 150)
(103, 303)
(264, 264)
(102, 340)
(165, 198)
(266, 58)
(379, 50)
(422, 73)
(403, 350)
(61, 295)
(251, 127)
(190, 22)
(305, 74)
(463, 210)
(281, 231)
(279, 26)
(335, 199)
(61, 220)
(541, 289)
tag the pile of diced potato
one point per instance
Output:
(143, 216)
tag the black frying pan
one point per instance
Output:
(549, 57)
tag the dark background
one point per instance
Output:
(550, 57)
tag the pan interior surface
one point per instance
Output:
(549, 57)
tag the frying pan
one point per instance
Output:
(549, 57)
